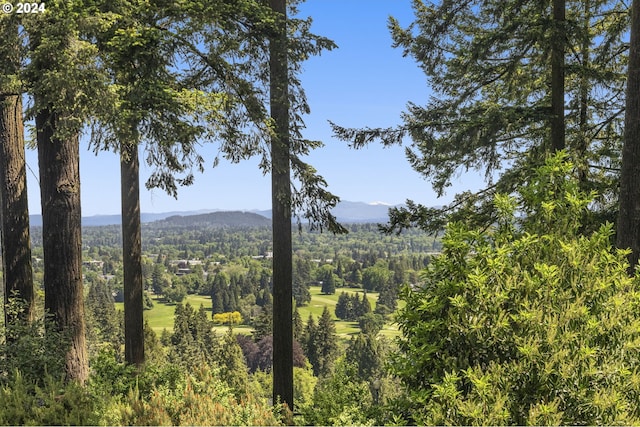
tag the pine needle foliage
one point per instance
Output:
(489, 65)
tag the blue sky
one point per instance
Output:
(365, 82)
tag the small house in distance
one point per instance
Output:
(184, 265)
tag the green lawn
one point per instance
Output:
(343, 329)
(320, 300)
(161, 315)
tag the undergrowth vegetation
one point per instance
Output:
(532, 322)
(118, 395)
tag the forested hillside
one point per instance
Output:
(515, 303)
(220, 219)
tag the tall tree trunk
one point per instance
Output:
(14, 212)
(132, 255)
(58, 161)
(581, 159)
(14, 234)
(281, 220)
(558, 43)
(628, 227)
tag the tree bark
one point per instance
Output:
(14, 233)
(281, 220)
(558, 43)
(14, 211)
(628, 226)
(132, 255)
(581, 146)
(62, 245)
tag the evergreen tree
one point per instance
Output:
(387, 300)
(301, 293)
(184, 349)
(628, 225)
(193, 342)
(371, 323)
(298, 325)
(14, 209)
(328, 283)
(203, 327)
(356, 276)
(234, 296)
(512, 81)
(354, 313)
(365, 306)
(181, 323)
(339, 269)
(326, 344)
(281, 207)
(309, 344)
(147, 302)
(132, 254)
(102, 313)
(263, 324)
(363, 350)
(279, 145)
(219, 290)
(67, 85)
(342, 306)
(153, 347)
(233, 369)
(302, 270)
(150, 106)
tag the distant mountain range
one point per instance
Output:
(345, 211)
(350, 212)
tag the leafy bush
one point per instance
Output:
(341, 398)
(202, 399)
(527, 323)
(28, 350)
(52, 403)
(117, 394)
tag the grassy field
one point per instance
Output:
(343, 329)
(161, 315)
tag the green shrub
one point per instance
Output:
(168, 394)
(53, 403)
(117, 394)
(202, 400)
(26, 349)
(340, 398)
(527, 323)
